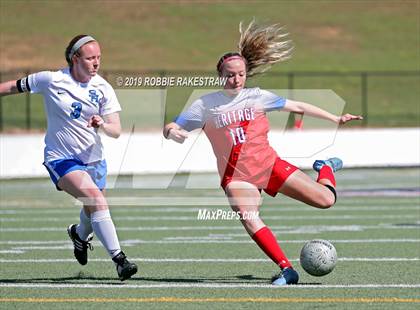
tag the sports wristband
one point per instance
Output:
(23, 85)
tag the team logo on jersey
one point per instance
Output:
(94, 97)
(230, 117)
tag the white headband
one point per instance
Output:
(79, 44)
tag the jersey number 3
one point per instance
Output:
(77, 109)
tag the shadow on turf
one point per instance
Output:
(62, 280)
(224, 279)
(81, 276)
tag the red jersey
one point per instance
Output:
(237, 128)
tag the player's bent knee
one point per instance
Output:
(327, 201)
(331, 197)
(247, 212)
(324, 201)
(95, 201)
(96, 207)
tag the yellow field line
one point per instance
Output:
(227, 300)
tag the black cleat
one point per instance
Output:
(80, 246)
(125, 269)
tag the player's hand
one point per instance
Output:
(178, 135)
(348, 117)
(95, 121)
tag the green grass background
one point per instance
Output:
(389, 217)
(189, 36)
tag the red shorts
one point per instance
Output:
(280, 172)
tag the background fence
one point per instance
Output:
(384, 98)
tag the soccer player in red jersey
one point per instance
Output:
(235, 122)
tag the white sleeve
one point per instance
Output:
(271, 101)
(38, 82)
(193, 117)
(110, 104)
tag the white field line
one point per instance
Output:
(67, 245)
(189, 239)
(187, 202)
(64, 245)
(41, 248)
(134, 241)
(208, 260)
(264, 209)
(204, 285)
(220, 218)
(223, 201)
(301, 228)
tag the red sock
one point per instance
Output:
(298, 124)
(326, 173)
(268, 243)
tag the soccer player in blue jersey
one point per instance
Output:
(79, 103)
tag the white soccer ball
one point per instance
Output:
(318, 257)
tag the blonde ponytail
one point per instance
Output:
(262, 47)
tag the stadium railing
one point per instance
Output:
(364, 78)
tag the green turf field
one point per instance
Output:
(168, 37)
(195, 264)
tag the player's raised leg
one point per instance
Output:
(320, 194)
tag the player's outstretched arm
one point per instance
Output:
(311, 110)
(348, 117)
(174, 132)
(8, 88)
(110, 124)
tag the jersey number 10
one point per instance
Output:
(238, 135)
